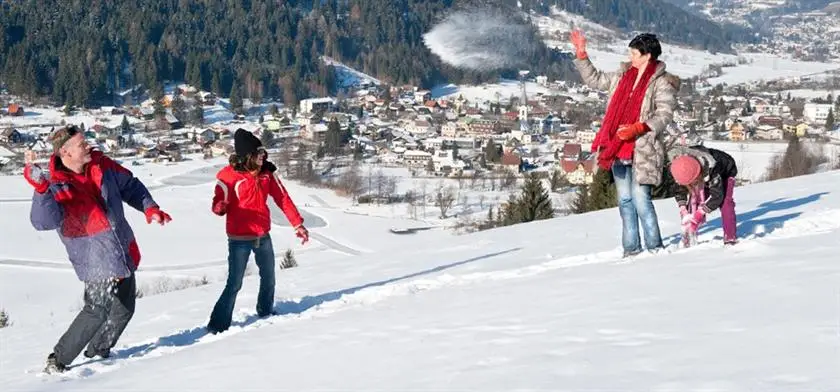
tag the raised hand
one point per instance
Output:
(33, 173)
(579, 42)
(29, 157)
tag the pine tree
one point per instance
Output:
(332, 144)
(509, 213)
(491, 152)
(215, 85)
(829, 120)
(288, 260)
(235, 99)
(534, 201)
(267, 138)
(598, 195)
(197, 115)
(179, 108)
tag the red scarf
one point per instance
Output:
(624, 109)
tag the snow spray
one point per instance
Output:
(481, 39)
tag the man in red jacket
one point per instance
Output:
(241, 194)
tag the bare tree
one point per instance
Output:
(797, 160)
(379, 182)
(411, 199)
(509, 180)
(351, 182)
(423, 195)
(481, 201)
(444, 200)
(390, 186)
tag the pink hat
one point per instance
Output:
(685, 169)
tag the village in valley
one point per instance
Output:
(488, 136)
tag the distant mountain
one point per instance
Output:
(662, 17)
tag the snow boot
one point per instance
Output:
(53, 366)
(89, 353)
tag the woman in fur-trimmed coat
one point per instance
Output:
(642, 97)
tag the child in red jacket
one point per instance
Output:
(241, 194)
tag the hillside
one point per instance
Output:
(86, 52)
(544, 305)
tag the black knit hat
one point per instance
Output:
(245, 142)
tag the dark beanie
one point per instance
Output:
(245, 142)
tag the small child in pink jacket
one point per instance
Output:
(707, 181)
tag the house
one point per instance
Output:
(451, 129)
(446, 162)
(768, 132)
(571, 151)
(313, 105)
(420, 128)
(208, 98)
(207, 136)
(737, 132)
(422, 96)
(10, 136)
(578, 172)
(481, 127)
(773, 121)
(585, 136)
(15, 110)
(511, 162)
(416, 158)
(817, 113)
(317, 132)
(795, 127)
(272, 125)
(173, 121)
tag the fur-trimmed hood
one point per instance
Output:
(672, 79)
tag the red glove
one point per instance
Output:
(302, 233)
(579, 42)
(629, 132)
(155, 214)
(35, 177)
(220, 208)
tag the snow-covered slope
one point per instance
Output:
(545, 305)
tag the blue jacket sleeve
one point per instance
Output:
(46, 213)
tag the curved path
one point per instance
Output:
(194, 177)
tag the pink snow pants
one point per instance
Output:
(727, 213)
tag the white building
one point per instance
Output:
(416, 158)
(310, 105)
(817, 112)
(445, 161)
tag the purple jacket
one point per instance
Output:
(90, 220)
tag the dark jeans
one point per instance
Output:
(238, 253)
(109, 306)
